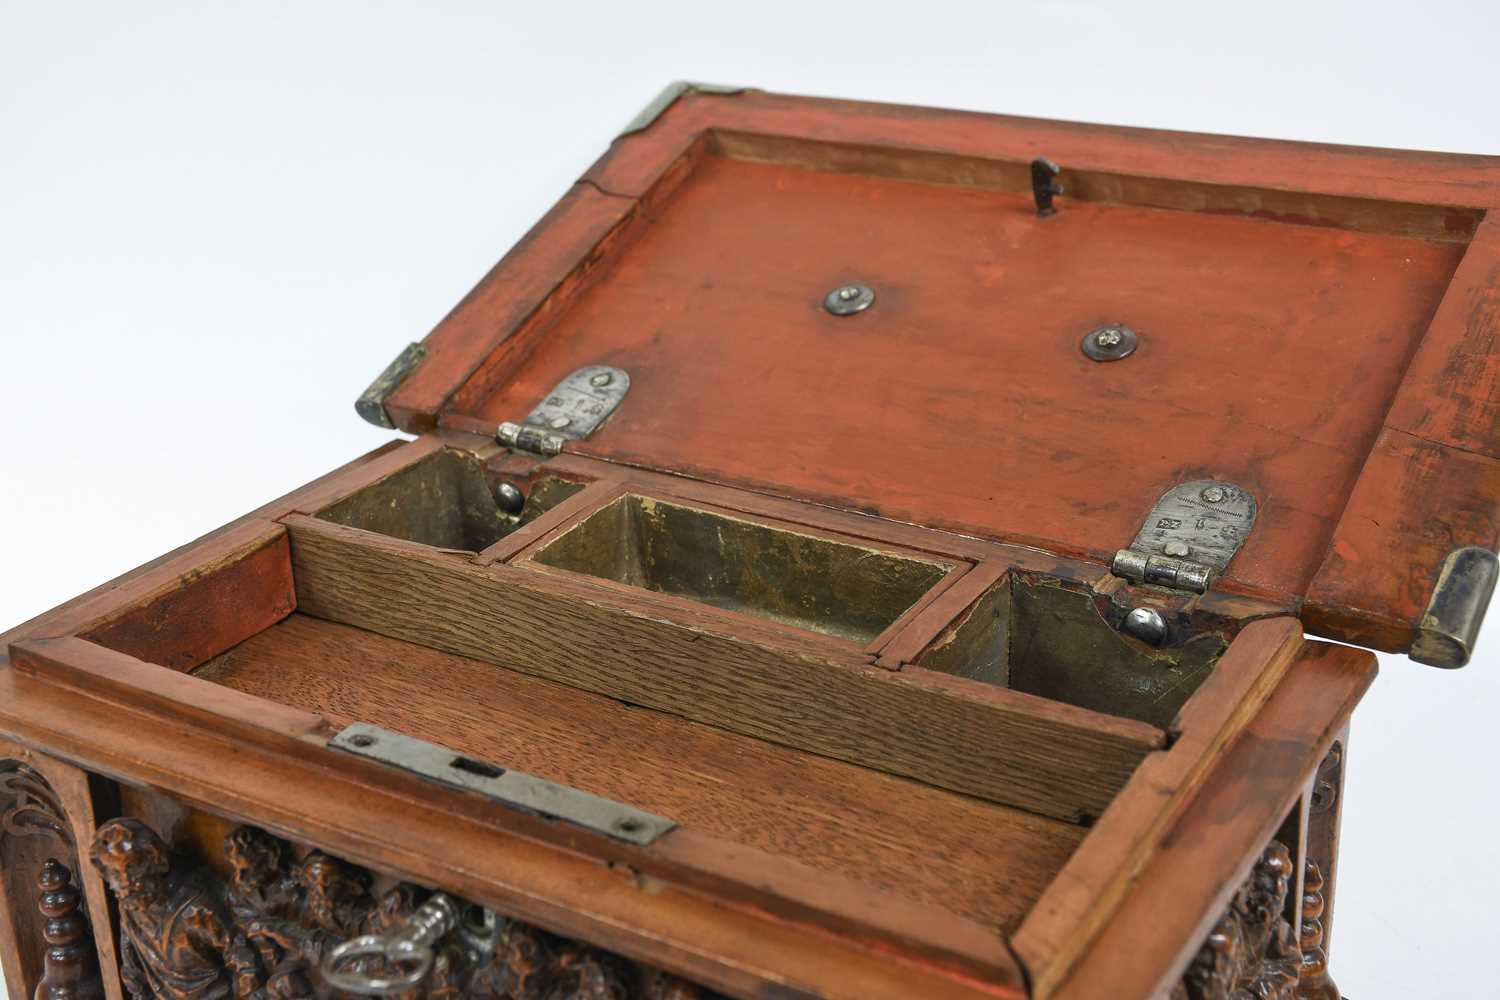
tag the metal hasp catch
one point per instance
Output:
(371, 402)
(513, 788)
(1044, 186)
(1450, 627)
(1189, 537)
(571, 412)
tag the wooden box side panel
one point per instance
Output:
(732, 919)
(209, 609)
(1253, 785)
(1431, 483)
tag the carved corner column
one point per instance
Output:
(72, 967)
(1271, 943)
(1324, 806)
(47, 808)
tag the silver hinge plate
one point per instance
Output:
(571, 412)
(513, 788)
(1189, 536)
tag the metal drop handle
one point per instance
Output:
(408, 949)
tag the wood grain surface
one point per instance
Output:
(1432, 481)
(209, 609)
(1311, 272)
(542, 271)
(285, 781)
(982, 860)
(1270, 353)
(1001, 745)
(1449, 182)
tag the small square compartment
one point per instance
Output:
(836, 587)
(445, 500)
(1048, 638)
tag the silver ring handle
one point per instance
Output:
(408, 948)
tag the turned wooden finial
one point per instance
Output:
(72, 968)
(1315, 983)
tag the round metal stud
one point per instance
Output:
(846, 300)
(1110, 343)
(1146, 624)
(509, 498)
(1214, 494)
(1177, 549)
(601, 380)
(558, 423)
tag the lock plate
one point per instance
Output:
(512, 788)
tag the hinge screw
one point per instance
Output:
(1177, 549)
(1214, 494)
(1110, 343)
(846, 300)
(558, 423)
(601, 380)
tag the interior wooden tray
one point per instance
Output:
(827, 779)
(983, 861)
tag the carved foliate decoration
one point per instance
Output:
(1250, 954)
(266, 932)
(29, 807)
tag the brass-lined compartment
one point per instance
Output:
(1050, 638)
(844, 588)
(446, 500)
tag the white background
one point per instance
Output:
(218, 223)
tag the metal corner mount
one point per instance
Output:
(1450, 627)
(668, 97)
(371, 402)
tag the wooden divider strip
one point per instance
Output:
(1000, 745)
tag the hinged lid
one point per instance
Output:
(895, 311)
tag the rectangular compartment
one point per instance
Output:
(445, 500)
(1051, 638)
(839, 588)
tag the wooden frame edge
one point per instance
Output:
(61, 677)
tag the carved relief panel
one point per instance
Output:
(284, 926)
